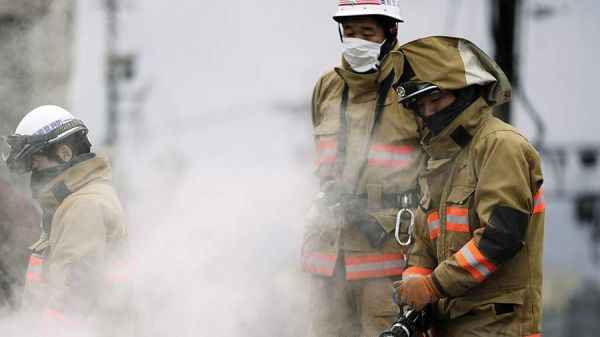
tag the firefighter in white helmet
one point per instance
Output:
(368, 158)
(78, 271)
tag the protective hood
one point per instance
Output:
(72, 180)
(453, 63)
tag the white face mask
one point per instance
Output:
(361, 54)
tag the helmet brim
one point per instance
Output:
(411, 92)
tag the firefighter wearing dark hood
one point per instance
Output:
(368, 158)
(477, 254)
(78, 275)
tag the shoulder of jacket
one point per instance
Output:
(329, 79)
(101, 195)
(497, 131)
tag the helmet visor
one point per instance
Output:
(411, 92)
(18, 160)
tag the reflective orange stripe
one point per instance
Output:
(470, 259)
(538, 202)
(412, 271)
(361, 267)
(457, 219)
(319, 263)
(30, 276)
(326, 152)
(433, 224)
(534, 335)
(120, 272)
(54, 314)
(34, 268)
(35, 260)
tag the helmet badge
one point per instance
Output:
(401, 92)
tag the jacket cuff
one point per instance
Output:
(438, 286)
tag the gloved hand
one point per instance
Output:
(330, 198)
(356, 213)
(417, 292)
(335, 200)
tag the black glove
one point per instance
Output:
(331, 198)
(336, 200)
(356, 213)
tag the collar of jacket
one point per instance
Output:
(73, 179)
(445, 144)
(364, 87)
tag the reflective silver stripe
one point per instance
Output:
(433, 225)
(316, 262)
(539, 200)
(390, 156)
(34, 273)
(327, 152)
(471, 260)
(390, 264)
(459, 220)
(34, 269)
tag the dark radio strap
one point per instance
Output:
(343, 132)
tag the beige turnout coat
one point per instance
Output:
(380, 160)
(79, 268)
(481, 223)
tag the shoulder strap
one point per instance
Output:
(383, 92)
(343, 131)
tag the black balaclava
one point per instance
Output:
(40, 178)
(464, 98)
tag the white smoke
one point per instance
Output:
(214, 176)
(215, 215)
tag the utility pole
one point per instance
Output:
(112, 91)
(120, 68)
(504, 22)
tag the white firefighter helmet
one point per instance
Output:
(38, 131)
(387, 8)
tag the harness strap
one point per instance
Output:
(383, 92)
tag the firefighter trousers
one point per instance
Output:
(357, 308)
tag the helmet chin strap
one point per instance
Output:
(52, 155)
(40, 178)
(388, 44)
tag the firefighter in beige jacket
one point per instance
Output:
(368, 159)
(78, 274)
(478, 244)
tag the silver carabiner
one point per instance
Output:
(399, 222)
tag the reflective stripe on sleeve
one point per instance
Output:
(327, 152)
(470, 259)
(433, 224)
(390, 156)
(538, 202)
(457, 219)
(55, 315)
(34, 268)
(381, 265)
(319, 263)
(416, 271)
(119, 272)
